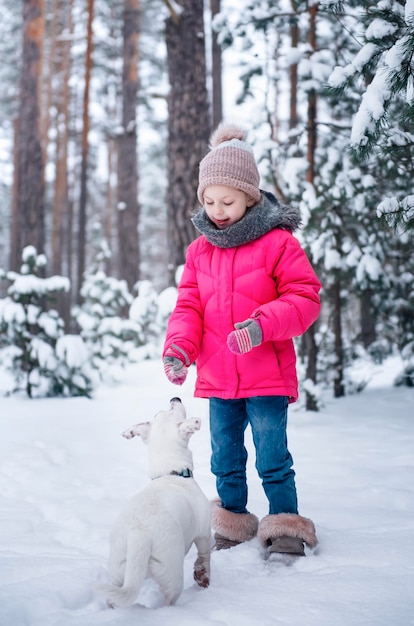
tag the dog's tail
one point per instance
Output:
(137, 557)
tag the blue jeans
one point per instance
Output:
(267, 416)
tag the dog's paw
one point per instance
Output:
(188, 427)
(201, 577)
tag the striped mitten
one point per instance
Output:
(247, 336)
(174, 367)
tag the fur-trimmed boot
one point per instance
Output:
(286, 533)
(231, 528)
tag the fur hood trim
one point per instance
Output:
(287, 524)
(234, 526)
(262, 217)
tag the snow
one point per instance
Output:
(369, 266)
(332, 259)
(388, 205)
(72, 350)
(66, 472)
(395, 55)
(28, 253)
(11, 311)
(167, 300)
(29, 283)
(380, 28)
(409, 10)
(341, 74)
(391, 205)
(44, 353)
(372, 106)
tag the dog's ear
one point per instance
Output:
(139, 430)
(188, 427)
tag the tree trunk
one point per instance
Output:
(368, 330)
(312, 102)
(293, 71)
(339, 388)
(61, 233)
(84, 157)
(110, 207)
(188, 124)
(62, 218)
(55, 68)
(14, 234)
(49, 76)
(311, 349)
(30, 186)
(312, 353)
(217, 96)
(128, 208)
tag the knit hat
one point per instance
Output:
(230, 162)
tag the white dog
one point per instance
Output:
(156, 530)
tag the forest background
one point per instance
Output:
(106, 110)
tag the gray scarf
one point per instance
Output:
(258, 220)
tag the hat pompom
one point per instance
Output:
(226, 132)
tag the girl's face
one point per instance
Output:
(225, 205)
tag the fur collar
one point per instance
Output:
(261, 218)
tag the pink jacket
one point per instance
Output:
(270, 279)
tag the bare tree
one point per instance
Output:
(61, 216)
(29, 205)
(309, 337)
(62, 207)
(188, 122)
(368, 317)
(312, 101)
(293, 71)
(49, 55)
(110, 231)
(14, 231)
(84, 154)
(338, 379)
(128, 208)
(216, 70)
(112, 108)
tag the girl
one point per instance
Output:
(247, 289)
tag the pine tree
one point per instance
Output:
(383, 123)
(110, 338)
(382, 146)
(33, 345)
(338, 191)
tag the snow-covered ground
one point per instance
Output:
(65, 473)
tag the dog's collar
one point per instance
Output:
(186, 473)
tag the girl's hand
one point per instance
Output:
(247, 336)
(176, 364)
(175, 370)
